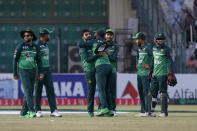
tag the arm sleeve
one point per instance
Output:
(114, 56)
(38, 60)
(17, 53)
(88, 58)
(152, 64)
(86, 44)
(137, 57)
(170, 61)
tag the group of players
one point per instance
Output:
(99, 55)
(31, 63)
(155, 72)
(154, 65)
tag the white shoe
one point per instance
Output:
(39, 114)
(56, 114)
(140, 115)
(115, 114)
(153, 114)
(163, 115)
(146, 114)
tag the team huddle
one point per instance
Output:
(99, 55)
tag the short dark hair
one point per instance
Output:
(83, 31)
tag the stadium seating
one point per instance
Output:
(10, 37)
(46, 10)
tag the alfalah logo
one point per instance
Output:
(130, 90)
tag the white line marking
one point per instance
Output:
(48, 112)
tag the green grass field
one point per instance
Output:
(181, 118)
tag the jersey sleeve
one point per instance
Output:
(86, 44)
(170, 61)
(114, 56)
(88, 58)
(137, 57)
(17, 53)
(39, 59)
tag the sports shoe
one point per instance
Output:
(24, 116)
(39, 114)
(109, 114)
(146, 114)
(153, 114)
(163, 115)
(32, 114)
(139, 115)
(91, 114)
(115, 114)
(102, 112)
(56, 114)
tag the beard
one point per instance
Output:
(47, 39)
(28, 40)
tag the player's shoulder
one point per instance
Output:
(20, 46)
(167, 48)
(149, 45)
(115, 44)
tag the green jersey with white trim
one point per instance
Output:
(113, 55)
(163, 63)
(144, 56)
(44, 52)
(103, 59)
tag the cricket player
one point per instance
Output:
(103, 74)
(47, 80)
(143, 61)
(112, 52)
(88, 61)
(163, 74)
(26, 59)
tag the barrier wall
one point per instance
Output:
(71, 89)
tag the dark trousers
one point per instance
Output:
(103, 73)
(27, 77)
(48, 82)
(159, 85)
(112, 85)
(143, 89)
(91, 84)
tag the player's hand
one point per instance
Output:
(41, 76)
(146, 66)
(16, 77)
(136, 67)
(171, 79)
(101, 53)
(107, 52)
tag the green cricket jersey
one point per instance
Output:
(103, 59)
(87, 58)
(44, 52)
(144, 56)
(113, 57)
(163, 63)
(27, 57)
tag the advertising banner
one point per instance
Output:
(8, 87)
(71, 89)
(65, 86)
(185, 92)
